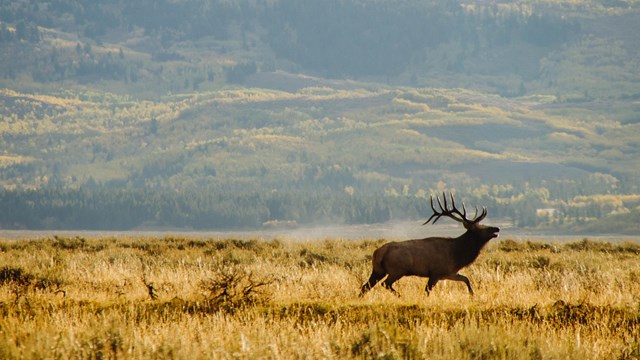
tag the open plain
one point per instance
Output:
(189, 298)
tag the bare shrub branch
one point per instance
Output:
(234, 287)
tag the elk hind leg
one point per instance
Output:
(388, 283)
(373, 280)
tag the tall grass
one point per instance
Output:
(228, 298)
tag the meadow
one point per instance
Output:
(208, 298)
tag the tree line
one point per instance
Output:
(104, 208)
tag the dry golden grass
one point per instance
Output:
(226, 298)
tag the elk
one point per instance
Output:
(436, 258)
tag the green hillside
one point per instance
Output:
(208, 114)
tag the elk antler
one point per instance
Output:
(451, 213)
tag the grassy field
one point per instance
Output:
(189, 298)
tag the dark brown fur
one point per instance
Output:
(437, 258)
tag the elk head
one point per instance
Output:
(472, 225)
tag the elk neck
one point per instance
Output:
(468, 246)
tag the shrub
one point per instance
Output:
(15, 276)
(234, 288)
(69, 243)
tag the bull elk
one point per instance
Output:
(437, 258)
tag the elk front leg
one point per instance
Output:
(464, 279)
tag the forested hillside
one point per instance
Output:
(216, 114)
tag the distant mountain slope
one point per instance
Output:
(418, 127)
(383, 141)
(352, 111)
(149, 47)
